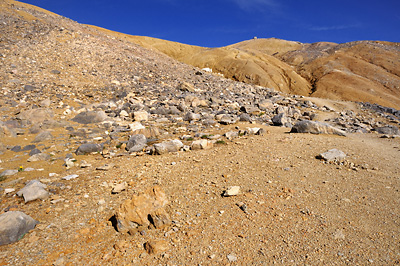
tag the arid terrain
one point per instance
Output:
(142, 159)
(364, 71)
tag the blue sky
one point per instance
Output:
(214, 23)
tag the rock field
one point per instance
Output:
(112, 154)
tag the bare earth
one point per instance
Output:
(300, 210)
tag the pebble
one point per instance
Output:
(119, 188)
(69, 177)
(231, 258)
(231, 191)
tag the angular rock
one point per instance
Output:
(14, 225)
(227, 119)
(69, 177)
(16, 148)
(250, 109)
(141, 116)
(135, 214)
(184, 86)
(136, 143)
(34, 151)
(8, 173)
(201, 144)
(192, 117)
(168, 146)
(388, 130)
(245, 117)
(231, 134)
(105, 167)
(43, 136)
(155, 247)
(90, 117)
(119, 188)
(33, 190)
(35, 116)
(149, 132)
(39, 157)
(332, 155)
(29, 147)
(136, 126)
(231, 191)
(313, 127)
(280, 119)
(88, 148)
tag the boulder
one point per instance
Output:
(136, 143)
(332, 155)
(167, 146)
(201, 144)
(90, 117)
(313, 127)
(43, 136)
(227, 119)
(35, 116)
(143, 210)
(280, 119)
(388, 130)
(39, 157)
(89, 148)
(8, 173)
(14, 225)
(33, 190)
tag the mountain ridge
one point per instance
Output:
(293, 67)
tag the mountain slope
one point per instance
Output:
(364, 71)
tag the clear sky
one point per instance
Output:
(214, 23)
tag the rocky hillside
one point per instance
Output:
(114, 154)
(365, 71)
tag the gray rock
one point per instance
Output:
(35, 116)
(388, 130)
(90, 117)
(16, 148)
(39, 157)
(231, 134)
(33, 190)
(14, 225)
(8, 172)
(192, 117)
(249, 109)
(88, 148)
(136, 143)
(70, 177)
(280, 119)
(245, 117)
(43, 136)
(34, 151)
(29, 147)
(227, 119)
(168, 146)
(313, 127)
(332, 155)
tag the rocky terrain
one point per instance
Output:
(365, 71)
(118, 155)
